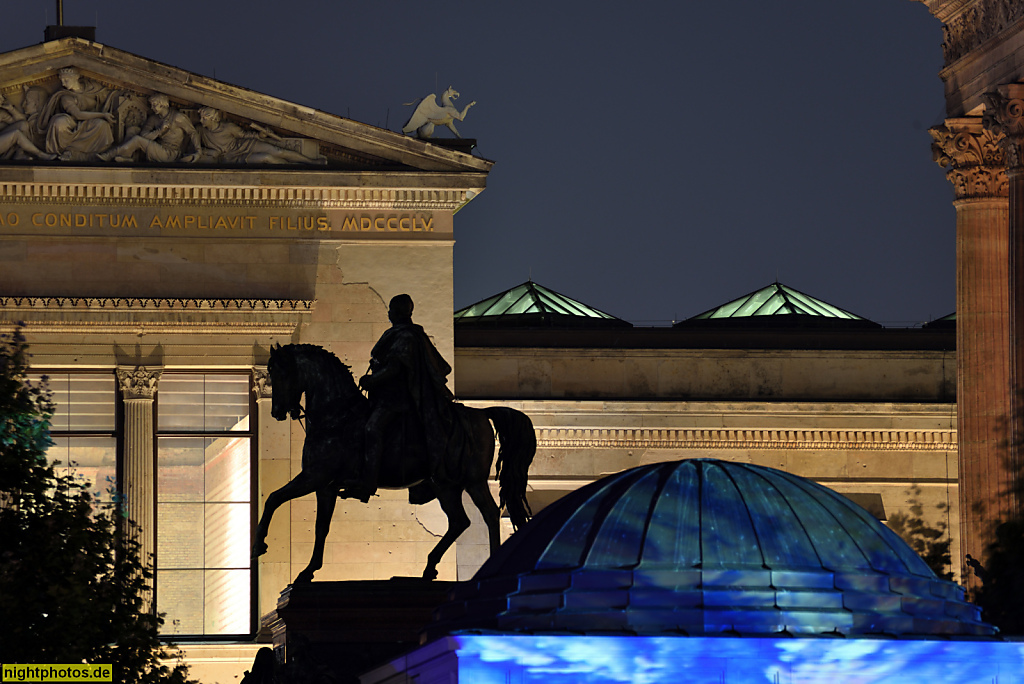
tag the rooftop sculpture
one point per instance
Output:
(429, 114)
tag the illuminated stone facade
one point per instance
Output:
(980, 143)
(142, 270)
(877, 424)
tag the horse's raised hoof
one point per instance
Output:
(258, 549)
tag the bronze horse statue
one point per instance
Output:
(336, 412)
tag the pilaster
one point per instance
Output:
(273, 472)
(977, 172)
(138, 386)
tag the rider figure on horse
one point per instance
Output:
(407, 374)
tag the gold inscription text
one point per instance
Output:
(68, 220)
(388, 224)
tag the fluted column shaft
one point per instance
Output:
(983, 313)
(1004, 115)
(138, 386)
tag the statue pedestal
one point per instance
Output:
(341, 629)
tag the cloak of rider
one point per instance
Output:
(425, 374)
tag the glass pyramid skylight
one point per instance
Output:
(531, 301)
(776, 300)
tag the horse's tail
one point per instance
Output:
(517, 445)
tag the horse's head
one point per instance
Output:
(286, 389)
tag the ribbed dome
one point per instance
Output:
(708, 547)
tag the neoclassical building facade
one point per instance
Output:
(160, 231)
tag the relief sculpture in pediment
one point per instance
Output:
(77, 121)
(15, 136)
(226, 143)
(163, 138)
(83, 120)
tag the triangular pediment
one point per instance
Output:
(97, 118)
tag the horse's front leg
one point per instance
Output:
(326, 497)
(300, 486)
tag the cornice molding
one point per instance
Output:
(286, 196)
(117, 315)
(968, 24)
(155, 304)
(802, 439)
(149, 328)
(973, 152)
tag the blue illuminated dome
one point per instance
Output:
(708, 547)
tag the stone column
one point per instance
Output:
(137, 388)
(1004, 115)
(978, 175)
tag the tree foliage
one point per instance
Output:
(931, 541)
(72, 585)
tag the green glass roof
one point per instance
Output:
(776, 300)
(531, 301)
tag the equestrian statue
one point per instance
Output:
(406, 433)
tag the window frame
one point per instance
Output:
(119, 435)
(35, 375)
(253, 435)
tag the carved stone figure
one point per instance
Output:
(336, 415)
(406, 384)
(83, 120)
(226, 143)
(163, 137)
(14, 135)
(77, 119)
(132, 114)
(428, 114)
(32, 104)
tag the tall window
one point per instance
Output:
(204, 487)
(83, 429)
(204, 503)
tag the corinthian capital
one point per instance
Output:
(138, 382)
(1004, 114)
(261, 386)
(974, 157)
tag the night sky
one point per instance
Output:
(653, 159)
